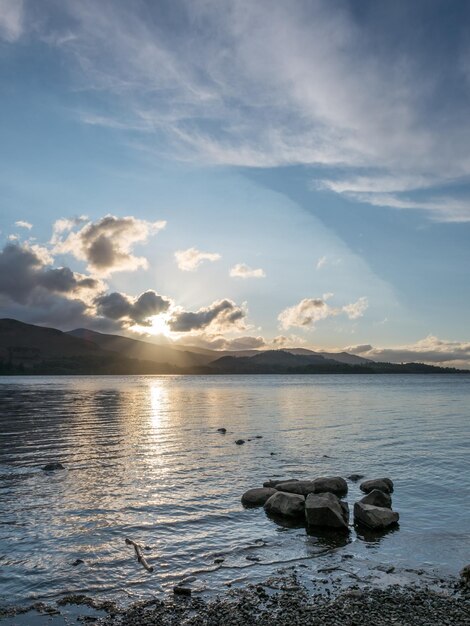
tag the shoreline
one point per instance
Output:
(282, 600)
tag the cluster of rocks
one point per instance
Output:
(319, 502)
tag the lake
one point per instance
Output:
(144, 460)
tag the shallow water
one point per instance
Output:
(144, 460)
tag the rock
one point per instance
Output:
(378, 498)
(259, 437)
(257, 496)
(331, 484)
(219, 560)
(355, 477)
(285, 504)
(465, 575)
(181, 591)
(222, 430)
(77, 562)
(240, 442)
(384, 484)
(276, 481)
(326, 511)
(52, 467)
(301, 487)
(375, 517)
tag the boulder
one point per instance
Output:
(285, 505)
(378, 498)
(240, 442)
(331, 484)
(383, 484)
(465, 576)
(355, 477)
(301, 487)
(375, 517)
(257, 496)
(276, 481)
(325, 510)
(52, 467)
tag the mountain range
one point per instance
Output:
(26, 348)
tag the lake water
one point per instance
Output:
(144, 460)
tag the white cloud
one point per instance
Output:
(23, 224)
(241, 270)
(431, 349)
(189, 260)
(356, 309)
(11, 19)
(106, 245)
(247, 90)
(321, 262)
(309, 311)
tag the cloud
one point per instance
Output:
(309, 311)
(189, 260)
(220, 342)
(25, 276)
(321, 262)
(241, 270)
(431, 349)
(245, 90)
(119, 306)
(106, 245)
(11, 19)
(23, 224)
(32, 290)
(356, 309)
(324, 260)
(221, 315)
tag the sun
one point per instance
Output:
(158, 326)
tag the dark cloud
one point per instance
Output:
(24, 275)
(222, 314)
(119, 306)
(106, 245)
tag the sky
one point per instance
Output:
(237, 174)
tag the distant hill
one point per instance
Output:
(137, 349)
(26, 348)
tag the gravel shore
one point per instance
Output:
(394, 606)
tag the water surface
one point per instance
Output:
(144, 459)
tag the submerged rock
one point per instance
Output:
(240, 442)
(52, 467)
(257, 496)
(355, 477)
(383, 484)
(222, 431)
(375, 517)
(325, 510)
(378, 498)
(181, 591)
(285, 505)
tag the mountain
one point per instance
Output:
(339, 357)
(25, 348)
(38, 349)
(137, 349)
(302, 361)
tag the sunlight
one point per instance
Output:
(157, 395)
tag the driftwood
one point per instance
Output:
(140, 557)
